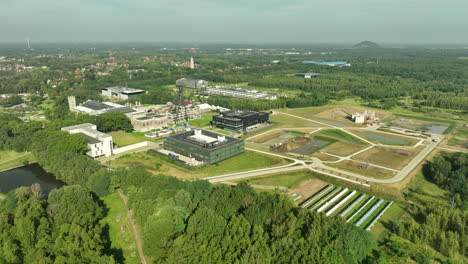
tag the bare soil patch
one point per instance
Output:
(307, 188)
(394, 158)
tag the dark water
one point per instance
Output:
(26, 176)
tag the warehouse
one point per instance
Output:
(203, 145)
(239, 121)
(191, 83)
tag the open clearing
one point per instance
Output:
(122, 138)
(288, 121)
(342, 148)
(11, 159)
(393, 158)
(288, 180)
(204, 120)
(387, 139)
(360, 168)
(248, 160)
(116, 222)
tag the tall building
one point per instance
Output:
(205, 146)
(239, 121)
(192, 63)
(99, 144)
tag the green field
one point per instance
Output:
(120, 233)
(288, 180)
(248, 160)
(342, 135)
(203, 121)
(122, 138)
(431, 119)
(11, 159)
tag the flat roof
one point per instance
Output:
(89, 139)
(187, 138)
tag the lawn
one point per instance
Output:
(122, 138)
(342, 148)
(462, 133)
(248, 160)
(203, 121)
(387, 139)
(120, 233)
(342, 135)
(290, 121)
(288, 180)
(388, 157)
(11, 159)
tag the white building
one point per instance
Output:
(91, 107)
(121, 93)
(239, 93)
(191, 83)
(99, 144)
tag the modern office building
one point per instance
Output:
(239, 121)
(91, 107)
(191, 83)
(121, 93)
(239, 93)
(99, 144)
(203, 145)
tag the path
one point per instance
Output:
(136, 235)
(450, 149)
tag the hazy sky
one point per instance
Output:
(314, 21)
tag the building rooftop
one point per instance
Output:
(96, 107)
(204, 138)
(123, 90)
(238, 113)
(89, 139)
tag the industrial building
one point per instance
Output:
(329, 63)
(203, 145)
(91, 107)
(365, 117)
(191, 83)
(239, 93)
(99, 144)
(146, 121)
(308, 75)
(239, 121)
(121, 93)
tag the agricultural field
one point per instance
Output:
(393, 158)
(248, 160)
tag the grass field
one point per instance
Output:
(122, 138)
(342, 135)
(387, 139)
(462, 133)
(456, 142)
(291, 122)
(203, 121)
(432, 119)
(122, 243)
(11, 159)
(371, 171)
(342, 148)
(388, 157)
(288, 180)
(248, 160)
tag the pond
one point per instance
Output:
(334, 123)
(435, 128)
(384, 139)
(26, 176)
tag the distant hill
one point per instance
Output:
(367, 45)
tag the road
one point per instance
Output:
(318, 166)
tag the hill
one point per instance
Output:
(367, 45)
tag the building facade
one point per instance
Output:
(239, 121)
(99, 144)
(205, 146)
(121, 93)
(143, 121)
(191, 83)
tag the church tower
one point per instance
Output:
(192, 63)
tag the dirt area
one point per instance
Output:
(360, 168)
(414, 124)
(324, 157)
(307, 188)
(342, 114)
(394, 158)
(303, 145)
(342, 148)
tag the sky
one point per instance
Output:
(235, 21)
